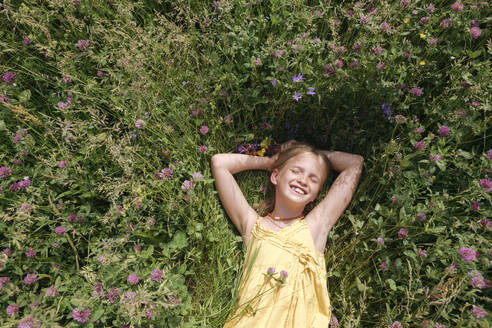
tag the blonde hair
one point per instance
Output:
(292, 150)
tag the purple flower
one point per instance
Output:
(457, 6)
(468, 254)
(196, 112)
(339, 63)
(475, 32)
(62, 105)
(478, 312)
(380, 65)
(298, 78)
(489, 154)
(475, 206)
(380, 241)
(26, 41)
(383, 265)
(475, 103)
(419, 145)
(356, 46)
(311, 91)
(60, 230)
(377, 50)
(82, 44)
(364, 19)
(416, 92)
(395, 324)
(424, 20)
(204, 129)
(113, 294)
(403, 233)
(486, 184)
(202, 149)
(97, 289)
(137, 248)
(62, 164)
(354, 64)
(52, 291)
(271, 271)
(404, 3)
(31, 252)
(81, 316)
(445, 23)
(139, 124)
(431, 8)
(274, 82)
(8, 77)
(133, 279)
(329, 70)
(432, 41)
(187, 184)
(5, 171)
(156, 275)
(443, 131)
(3, 98)
(67, 79)
(421, 216)
(284, 274)
(12, 309)
(30, 278)
(100, 73)
(296, 96)
(435, 158)
(166, 173)
(197, 176)
(385, 27)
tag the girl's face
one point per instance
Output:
(300, 180)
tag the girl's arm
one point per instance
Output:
(327, 212)
(223, 167)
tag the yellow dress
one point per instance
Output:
(301, 300)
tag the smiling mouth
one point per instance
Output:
(298, 190)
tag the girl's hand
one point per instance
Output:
(283, 147)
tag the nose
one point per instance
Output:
(302, 180)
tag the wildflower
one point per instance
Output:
(278, 53)
(139, 124)
(196, 112)
(422, 35)
(403, 233)
(432, 41)
(443, 131)
(8, 77)
(197, 176)
(81, 316)
(12, 309)
(283, 274)
(457, 6)
(130, 295)
(3, 98)
(424, 20)
(202, 149)
(422, 63)
(395, 324)
(356, 46)
(475, 206)
(329, 70)
(298, 78)
(62, 105)
(380, 241)
(82, 44)
(52, 291)
(377, 50)
(31, 252)
(430, 8)
(26, 41)
(383, 265)
(387, 110)
(350, 12)
(419, 145)
(445, 23)
(486, 184)
(475, 103)
(30, 278)
(354, 64)
(364, 19)
(404, 3)
(5, 171)
(133, 279)
(416, 92)
(334, 321)
(339, 63)
(204, 129)
(468, 254)
(98, 289)
(113, 294)
(489, 155)
(475, 32)
(385, 27)
(156, 275)
(421, 216)
(257, 61)
(271, 271)
(311, 91)
(478, 312)
(60, 230)
(67, 79)
(435, 158)
(380, 65)
(137, 248)
(187, 184)
(148, 313)
(477, 280)
(421, 253)
(297, 96)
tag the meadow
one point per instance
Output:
(111, 110)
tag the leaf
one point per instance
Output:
(403, 214)
(179, 241)
(24, 96)
(97, 315)
(474, 54)
(392, 284)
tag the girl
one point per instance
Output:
(283, 281)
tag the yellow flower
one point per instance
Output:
(422, 35)
(261, 152)
(406, 20)
(422, 62)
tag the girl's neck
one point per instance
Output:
(287, 212)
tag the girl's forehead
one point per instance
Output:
(306, 160)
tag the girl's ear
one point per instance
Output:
(273, 176)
